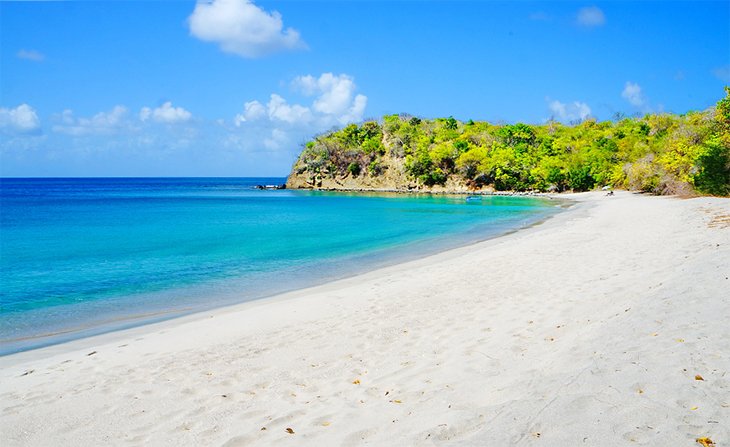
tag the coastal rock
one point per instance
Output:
(392, 177)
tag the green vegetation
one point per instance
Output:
(658, 153)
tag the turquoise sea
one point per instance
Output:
(84, 256)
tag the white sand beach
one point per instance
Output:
(607, 325)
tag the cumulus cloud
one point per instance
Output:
(569, 112)
(20, 120)
(336, 96)
(722, 73)
(591, 16)
(333, 102)
(632, 93)
(277, 139)
(277, 109)
(166, 113)
(101, 123)
(252, 111)
(240, 27)
(31, 55)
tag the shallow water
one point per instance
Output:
(84, 256)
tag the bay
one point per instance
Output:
(85, 256)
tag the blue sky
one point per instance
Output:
(233, 87)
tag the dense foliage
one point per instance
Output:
(658, 153)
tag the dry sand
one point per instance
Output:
(590, 329)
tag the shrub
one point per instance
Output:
(354, 169)
(375, 168)
(714, 169)
(643, 175)
(580, 178)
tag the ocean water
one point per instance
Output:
(85, 256)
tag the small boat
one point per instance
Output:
(473, 198)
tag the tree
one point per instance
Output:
(714, 169)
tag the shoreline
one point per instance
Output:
(435, 191)
(122, 322)
(580, 314)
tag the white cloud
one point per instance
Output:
(277, 139)
(722, 73)
(101, 123)
(355, 112)
(20, 120)
(240, 27)
(569, 112)
(591, 16)
(166, 113)
(334, 103)
(252, 111)
(336, 96)
(279, 110)
(31, 55)
(278, 123)
(632, 94)
(335, 92)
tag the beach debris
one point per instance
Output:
(693, 408)
(640, 391)
(537, 434)
(263, 428)
(654, 334)
(680, 340)
(326, 424)
(289, 430)
(91, 353)
(705, 442)
(396, 401)
(356, 382)
(30, 371)
(699, 377)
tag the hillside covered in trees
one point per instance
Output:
(658, 153)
